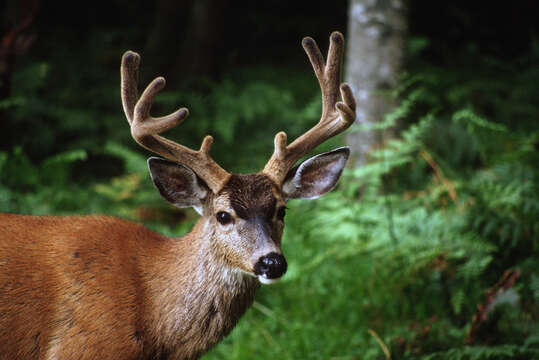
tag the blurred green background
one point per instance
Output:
(428, 251)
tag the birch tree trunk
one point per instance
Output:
(376, 41)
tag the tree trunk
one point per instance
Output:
(376, 41)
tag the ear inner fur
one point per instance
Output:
(315, 176)
(177, 183)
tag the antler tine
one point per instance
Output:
(144, 127)
(129, 72)
(336, 117)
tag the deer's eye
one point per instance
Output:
(281, 212)
(223, 217)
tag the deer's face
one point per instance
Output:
(246, 218)
(244, 213)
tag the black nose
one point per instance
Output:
(273, 266)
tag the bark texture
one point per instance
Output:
(376, 41)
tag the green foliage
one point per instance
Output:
(397, 259)
(408, 244)
(39, 189)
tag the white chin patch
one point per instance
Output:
(264, 280)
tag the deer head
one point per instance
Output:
(243, 214)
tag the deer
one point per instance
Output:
(101, 287)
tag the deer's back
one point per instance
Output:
(70, 286)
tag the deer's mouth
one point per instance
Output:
(267, 281)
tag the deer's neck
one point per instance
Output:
(197, 299)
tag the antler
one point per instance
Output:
(336, 117)
(144, 128)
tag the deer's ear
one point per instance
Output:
(178, 184)
(315, 176)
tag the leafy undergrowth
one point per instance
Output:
(428, 252)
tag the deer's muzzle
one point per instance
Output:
(270, 268)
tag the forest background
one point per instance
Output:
(427, 250)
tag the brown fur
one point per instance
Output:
(252, 195)
(97, 287)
